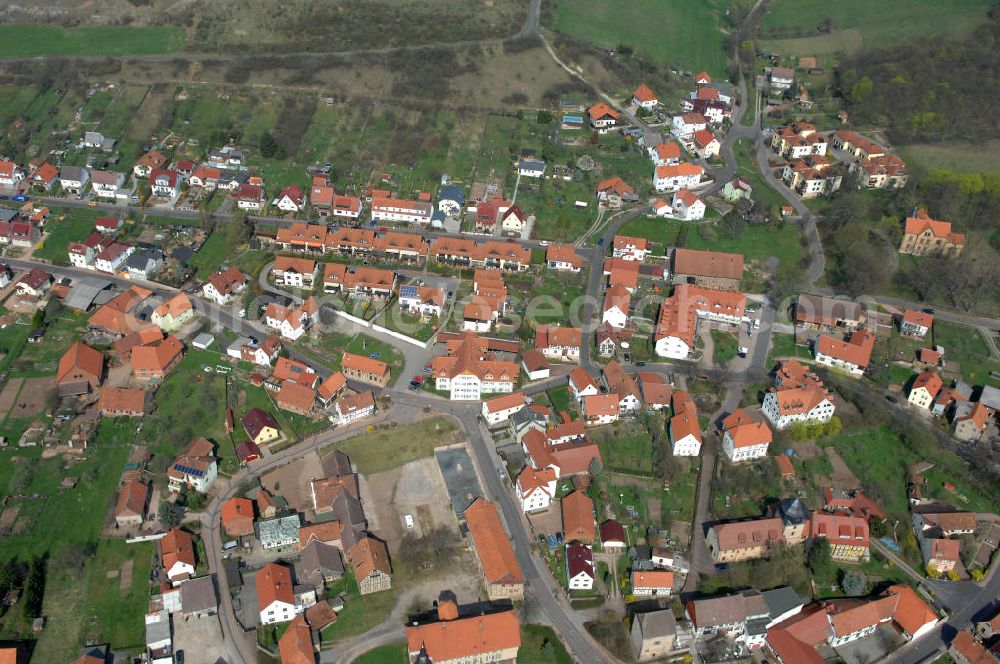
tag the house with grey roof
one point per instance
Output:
(451, 200)
(279, 531)
(199, 597)
(319, 564)
(653, 634)
(142, 264)
(73, 179)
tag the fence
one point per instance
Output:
(383, 330)
(145, 538)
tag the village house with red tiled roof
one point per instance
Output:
(454, 638)
(851, 355)
(644, 97)
(744, 439)
(499, 568)
(924, 236)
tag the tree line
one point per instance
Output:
(941, 89)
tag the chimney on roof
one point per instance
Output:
(447, 607)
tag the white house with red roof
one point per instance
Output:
(205, 176)
(703, 79)
(630, 248)
(644, 97)
(249, 197)
(743, 439)
(346, 207)
(665, 154)
(395, 209)
(600, 409)
(499, 409)
(687, 206)
(536, 488)
(45, 175)
(112, 257)
(602, 117)
(108, 225)
(11, 174)
(82, 254)
(851, 355)
(582, 384)
(679, 176)
(916, 323)
(706, 144)
(291, 199)
(686, 124)
(617, 302)
(164, 183)
(292, 322)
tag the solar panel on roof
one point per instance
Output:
(408, 291)
(187, 470)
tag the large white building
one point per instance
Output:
(394, 209)
(798, 395)
(679, 313)
(469, 370)
(676, 177)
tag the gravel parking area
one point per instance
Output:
(199, 638)
(459, 476)
(417, 489)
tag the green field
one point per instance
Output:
(388, 448)
(627, 451)
(216, 249)
(953, 156)
(757, 242)
(684, 34)
(879, 456)
(790, 26)
(27, 41)
(783, 345)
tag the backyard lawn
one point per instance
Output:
(360, 614)
(561, 291)
(964, 345)
(684, 34)
(783, 345)
(216, 249)
(540, 645)
(388, 448)
(74, 226)
(625, 448)
(879, 457)
(118, 611)
(331, 347)
(562, 400)
(72, 521)
(725, 346)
